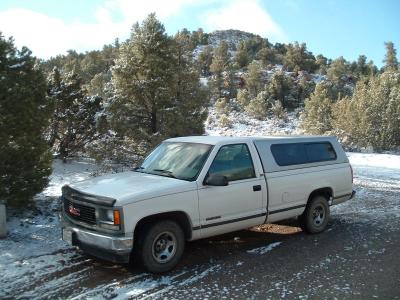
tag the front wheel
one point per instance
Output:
(316, 215)
(161, 246)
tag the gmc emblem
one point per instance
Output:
(74, 211)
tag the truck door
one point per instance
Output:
(237, 205)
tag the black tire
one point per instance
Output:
(160, 246)
(316, 215)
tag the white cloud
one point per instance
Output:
(246, 15)
(138, 10)
(47, 36)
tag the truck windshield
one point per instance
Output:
(177, 160)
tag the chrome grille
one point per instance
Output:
(80, 212)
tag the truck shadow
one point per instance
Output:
(237, 243)
(216, 249)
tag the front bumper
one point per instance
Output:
(111, 248)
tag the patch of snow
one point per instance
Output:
(388, 161)
(204, 81)
(265, 249)
(243, 125)
(64, 173)
(18, 65)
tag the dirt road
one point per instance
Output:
(356, 258)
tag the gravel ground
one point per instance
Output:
(356, 258)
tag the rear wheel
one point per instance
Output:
(316, 215)
(161, 246)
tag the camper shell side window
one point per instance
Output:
(288, 154)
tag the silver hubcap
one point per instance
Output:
(318, 215)
(164, 247)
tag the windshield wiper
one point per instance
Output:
(165, 172)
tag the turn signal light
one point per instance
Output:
(117, 218)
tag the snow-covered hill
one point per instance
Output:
(243, 125)
(231, 37)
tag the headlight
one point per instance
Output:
(109, 218)
(110, 215)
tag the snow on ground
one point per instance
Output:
(34, 246)
(34, 254)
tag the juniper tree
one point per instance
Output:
(258, 106)
(266, 55)
(25, 160)
(297, 58)
(243, 98)
(322, 64)
(254, 78)
(391, 63)
(242, 55)
(219, 64)
(372, 116)
(318, 111)
(338, 69)
(280, 88)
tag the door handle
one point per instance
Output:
(256, 188)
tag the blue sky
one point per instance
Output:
(330, 27)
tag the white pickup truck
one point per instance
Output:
(190, 188)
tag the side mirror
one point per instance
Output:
(216, 180)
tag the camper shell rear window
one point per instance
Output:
(302, 153)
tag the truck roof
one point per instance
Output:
(214, 140)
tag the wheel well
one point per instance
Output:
(326, 192)
(177, 216)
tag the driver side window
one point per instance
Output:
(234, 162)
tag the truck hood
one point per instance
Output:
(128, 187)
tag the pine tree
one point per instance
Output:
(219, 64)
(391, 63)
(204, 60)
(371, 69)
(254, 78)
(25, 160)
(242, 56)
(303, 89)
(322, 64)
(281, 88)
(258, 106)
(338, 70)
(318, 111)
(187, 111)
(297, 58)
(73, 124)
(143, 79)
(266, 55)
(158, 92)
(362, 67)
